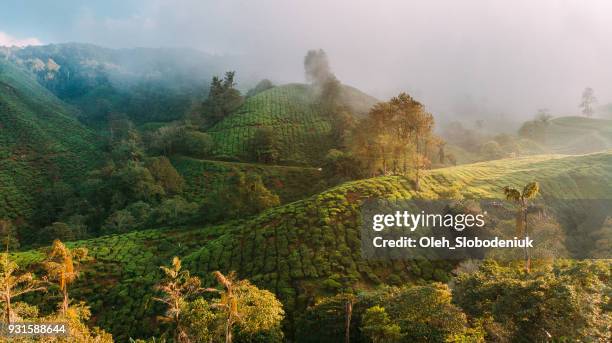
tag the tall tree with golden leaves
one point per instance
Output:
(62, 266)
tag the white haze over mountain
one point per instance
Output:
(468, 58)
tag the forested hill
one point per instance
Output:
(307, 248)
(144, 83)
(40, 140)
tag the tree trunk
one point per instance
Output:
(527, 256)
(65, 301)
(347, 323)
(228, 331)
(8, 310)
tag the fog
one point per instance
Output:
(480, 59)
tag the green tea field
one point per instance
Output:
(307, 248)
(301, 129)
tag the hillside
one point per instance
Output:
(577, 135)
(205, 177)
(290, 110)
(147, 84)
(306, 248)
(40, 141)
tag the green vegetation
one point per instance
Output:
(570, 135)
(40, 142)
(204, 178)
(60, 266)
(145, 84)
(292, 113)
(289, 111)
(306, 249)
(239, 188)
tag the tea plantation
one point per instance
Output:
(577, 135)
(290, 110)
(307, 248)
(40, 140)
(205, 177)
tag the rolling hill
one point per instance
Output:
(40, 141)
(307, 248)
(290, 110)
(577, 135)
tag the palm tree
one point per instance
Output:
(530, 191)
(177, 287)
(228, 302)
(61, 265)
(12, 285)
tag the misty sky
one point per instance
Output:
(484, 57)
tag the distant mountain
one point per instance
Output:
(293, 114)
(40, 141)
(147, 84)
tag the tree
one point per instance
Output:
(9, 234)
(223, 98)
(327, 319)
(339, 166)
(175, 211)
(57, 230)
(62, 266)
(196, 144)
(415, 124)
(177, 287)
(255, 196)
(119, 222)
(165, 174)
(491, 150)
(376, 325)
(316, 67)
(348, 315)
(119, 127)
(265, 145)
(167, 139)
(13, 284)
(530, 191)
(588, 100)
(247, 307)
(564, 302)
(441, 153)
(228, 303)
(427, 314)
(199, 321)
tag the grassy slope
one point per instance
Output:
(577, 135)
(307, 247)
(40, 139)
(301, 128)
(204, 177)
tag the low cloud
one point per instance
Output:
(8, 40)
